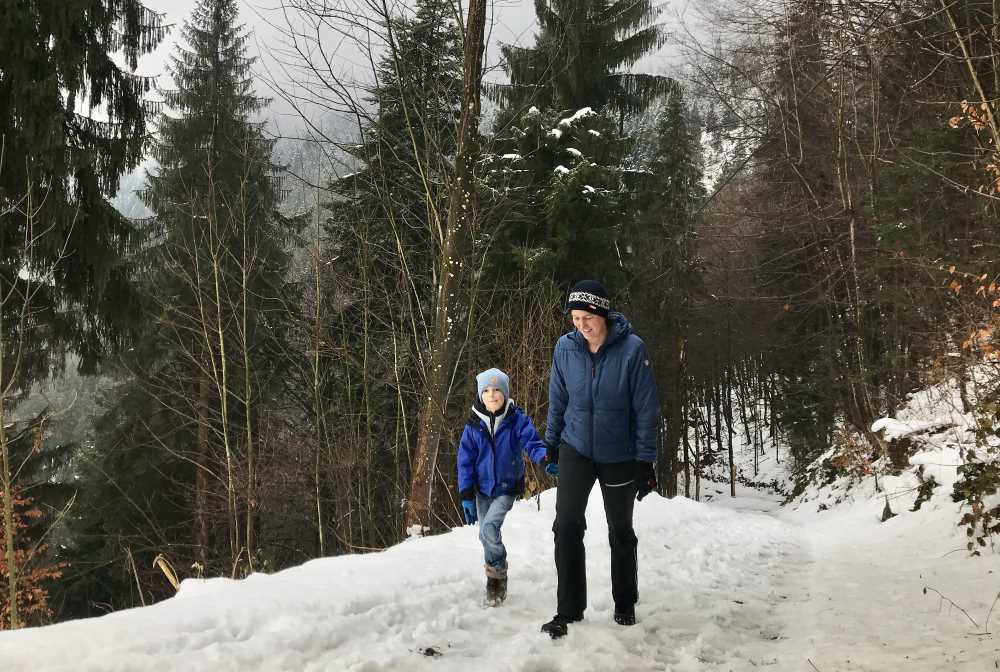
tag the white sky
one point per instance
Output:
(512, 21)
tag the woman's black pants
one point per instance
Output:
(576, 479)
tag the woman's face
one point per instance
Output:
(592, 327)
(492, 399)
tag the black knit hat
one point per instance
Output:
(589, 295)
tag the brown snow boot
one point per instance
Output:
(496, 585)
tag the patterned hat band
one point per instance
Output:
(593, 299)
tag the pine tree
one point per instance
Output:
(59, 166)
(401, 152)
(181, 442)
(65, 282)
(579, 62)
(665, 264)
(223, 255)
(561, 199)
(384, 227)
(581, 58)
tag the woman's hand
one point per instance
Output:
(645, 479)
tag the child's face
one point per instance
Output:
(492, 399)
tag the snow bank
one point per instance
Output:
(729, 584)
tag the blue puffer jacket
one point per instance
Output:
(490, 451)
(605, 406)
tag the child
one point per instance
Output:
(491, 469)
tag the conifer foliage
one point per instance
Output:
(189, 428)
(71, 122)
(560, 196)
(582, 55)
(385, 226)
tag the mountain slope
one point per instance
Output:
(731, 584)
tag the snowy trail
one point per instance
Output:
(711, 581)
(730, 585)
(864, 606)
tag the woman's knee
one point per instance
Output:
(569, 529)
(623, 535)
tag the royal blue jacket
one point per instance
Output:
(490, 453)
(604, 405)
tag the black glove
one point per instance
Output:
(645, 479)
(551, 453)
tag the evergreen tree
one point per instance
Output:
(384, 227)
(581, 57)
(401, 151)
(583, 216)
(182, 443)
(58, 169)
(667, 271)
(561, 199)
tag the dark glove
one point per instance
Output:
(469, 511)
(551, 468)
(551, 455)
(645, 479)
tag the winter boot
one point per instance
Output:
(558, 626)
(496, 585)
(491, 591)
(625, 615)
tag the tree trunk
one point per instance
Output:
(8, 518)
(673, 399)
(462, 208)
(728, 401)
(201, 479)
(687, 448)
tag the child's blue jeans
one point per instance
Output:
(491, 512)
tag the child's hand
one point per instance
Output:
(469, 511)
(552, 469)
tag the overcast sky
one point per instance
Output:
(511, 21)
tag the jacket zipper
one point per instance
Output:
(493, 445)
(593, 407)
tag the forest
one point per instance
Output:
(270, 358)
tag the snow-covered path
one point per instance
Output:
(864, 606)
(729, 585)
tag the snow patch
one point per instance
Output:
(895, 429)
(582, 113)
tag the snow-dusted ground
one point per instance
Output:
(730, 584)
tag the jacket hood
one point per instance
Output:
(491, 420)
(618, 328)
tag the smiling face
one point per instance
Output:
(493, 399)
(593, 328)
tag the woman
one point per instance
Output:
(602, 426)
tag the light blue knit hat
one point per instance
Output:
(493, 378)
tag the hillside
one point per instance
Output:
(728, 584)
